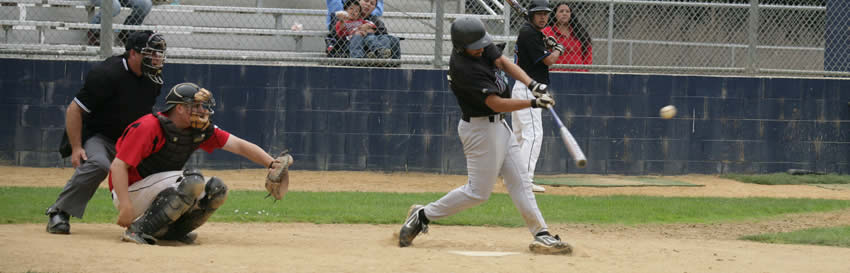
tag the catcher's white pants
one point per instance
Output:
(528, 128)
(491, 150)
(144, 191)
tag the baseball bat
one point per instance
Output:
(518, 8)
(570, 142)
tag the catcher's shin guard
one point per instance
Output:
(169, 205)
(216, 195)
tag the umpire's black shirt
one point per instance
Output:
(472, 79)
(530, 53)
(113, 97)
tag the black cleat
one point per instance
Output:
(189, 238)
(412, 226)
(545, 243)
(57, 223)
(138, 237)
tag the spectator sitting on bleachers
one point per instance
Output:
(140, 9)
(368, 8)
(335, 6)
(359, 34)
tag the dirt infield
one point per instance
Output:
(225, 247)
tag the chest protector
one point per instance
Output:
(179, 146)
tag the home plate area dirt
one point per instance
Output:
(303, 247)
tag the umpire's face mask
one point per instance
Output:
(153, 57)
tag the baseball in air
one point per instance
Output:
(667, 112)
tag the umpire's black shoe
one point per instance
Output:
(57, 223)
(415, 223)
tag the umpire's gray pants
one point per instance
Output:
(87, 177)
(491, 149)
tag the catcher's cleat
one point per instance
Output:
(412, 226)
(189, 238)
(545, 243)
(57, 223)
(138, 237)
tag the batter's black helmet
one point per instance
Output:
(469, 33)
(538, 5)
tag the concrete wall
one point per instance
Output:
(395, 119)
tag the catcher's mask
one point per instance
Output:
(469, 33)
(200, 101)
(152, 47)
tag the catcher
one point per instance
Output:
(156, 198)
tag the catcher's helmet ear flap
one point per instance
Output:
(469, 33)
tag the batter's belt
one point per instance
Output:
(492, 118)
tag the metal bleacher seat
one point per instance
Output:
(215, 32)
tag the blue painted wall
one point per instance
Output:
(406, 120)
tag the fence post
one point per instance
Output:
(106, 28)
(438, 35)
(752, 34)
(610, 32)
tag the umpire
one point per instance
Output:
(490, 148)
(534, 54)
(116, 92)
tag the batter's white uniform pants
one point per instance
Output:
(144, 191)
(528, 128)
(491, 150)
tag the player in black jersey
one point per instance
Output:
(490, 148)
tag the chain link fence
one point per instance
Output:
(738, 37)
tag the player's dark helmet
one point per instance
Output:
(191, 94)
(538, 5)
(469, 33)
(152, 47)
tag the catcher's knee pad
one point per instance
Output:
(191, 185)
(166, 208)
(216, 194)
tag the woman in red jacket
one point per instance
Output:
(572, 35)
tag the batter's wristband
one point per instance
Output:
(270, 164)
(534, 104)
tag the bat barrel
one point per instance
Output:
(573, 148)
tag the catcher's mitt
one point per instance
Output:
(277, 181)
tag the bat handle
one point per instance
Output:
(557, 119)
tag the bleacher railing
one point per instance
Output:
(733, 37)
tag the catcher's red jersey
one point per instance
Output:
(144, 137)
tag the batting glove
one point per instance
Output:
(538, 89)
(544, 101)
(550, 42)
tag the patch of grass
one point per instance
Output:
(27, 205)
(787, 179)
(828, 236)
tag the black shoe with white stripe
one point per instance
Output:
(545, 243)
(412, 226)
